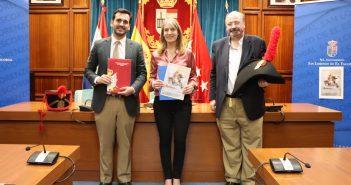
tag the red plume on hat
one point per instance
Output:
(271, 49)
(272, 45)
(62, 90)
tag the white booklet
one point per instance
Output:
(175, 80)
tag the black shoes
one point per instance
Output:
(232, 183)
(103, 183)
(124, 183)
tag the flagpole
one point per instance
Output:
(142, 10)
(226, 6)
(192, 6)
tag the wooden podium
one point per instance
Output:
(329, 166)
(15, 170)
(305, 125)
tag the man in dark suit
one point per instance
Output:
(239, 114)
(115, 114)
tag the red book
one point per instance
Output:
(120, 72)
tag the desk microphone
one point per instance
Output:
(307, 165)
(285, 165)
(42, 157)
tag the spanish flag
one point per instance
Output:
(140, 37)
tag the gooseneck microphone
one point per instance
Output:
(307, 165)
(42, 157)
(29, 147)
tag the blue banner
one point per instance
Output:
(14, 52)
(322, 60)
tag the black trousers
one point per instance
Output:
(172, 117)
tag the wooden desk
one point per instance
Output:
(15, 170)
(329, 166)
(305, 125)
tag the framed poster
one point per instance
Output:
(45, 2)
(331, 82)
(283, 2)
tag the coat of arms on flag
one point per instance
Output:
(163, 14)
(158, 11)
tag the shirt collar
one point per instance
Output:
(166, 52)
(240, 41)
(122, 41)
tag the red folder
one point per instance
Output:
(120, 72)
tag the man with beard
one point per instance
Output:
(115, 114)
(239, 114)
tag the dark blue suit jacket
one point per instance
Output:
(250, 93)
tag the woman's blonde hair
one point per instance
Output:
(179, 42)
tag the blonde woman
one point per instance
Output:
(172, 116)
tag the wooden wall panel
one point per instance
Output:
(80, 40)
(251, 4)
(76, 82)
(285, 20)
(49, 41)
(81, 4)
(280, 92)
(252, 19)
(59, 45)
(49, 81)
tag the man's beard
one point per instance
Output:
(236, 32)
(119, 34)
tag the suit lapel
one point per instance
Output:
(225, 59)
(245, 52)
(128, 50)
(107, 48)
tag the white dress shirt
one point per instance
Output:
(121, 49)
(234, 64)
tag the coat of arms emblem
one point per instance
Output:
(332, 49)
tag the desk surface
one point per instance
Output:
(329, 165)
(201, 113)
(306, 125)
(15, 170)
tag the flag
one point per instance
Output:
(100, 32)
(202, 60)
(101, 28)
(139, 36)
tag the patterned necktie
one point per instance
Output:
(115, 50)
